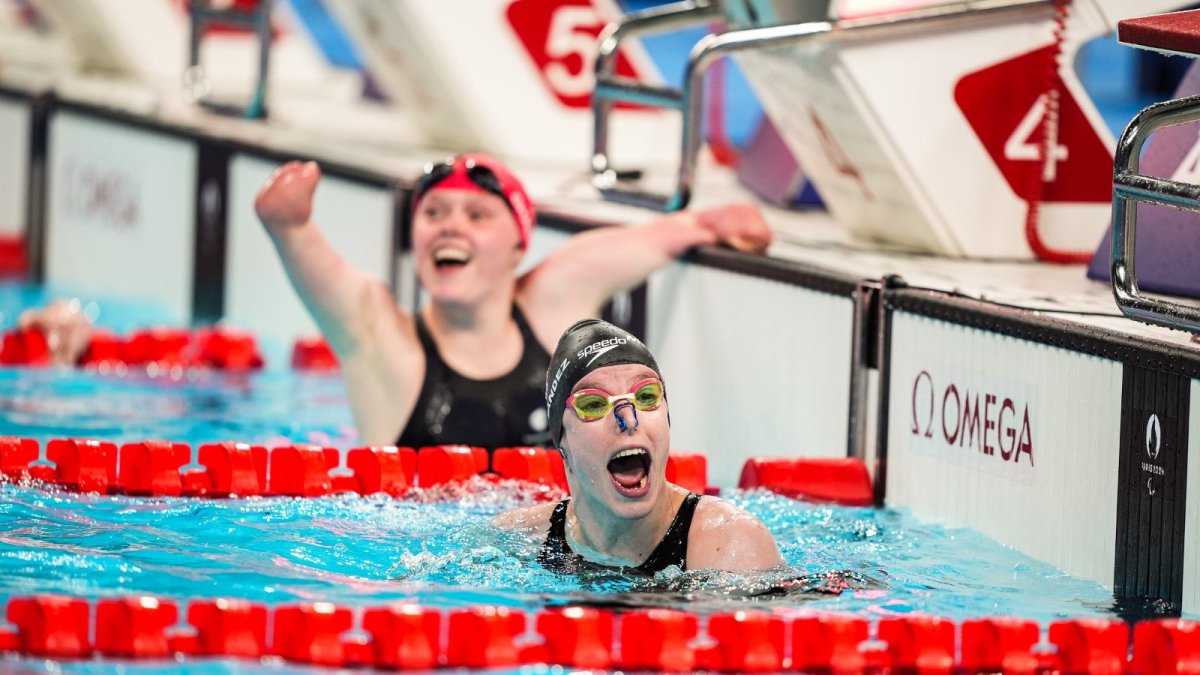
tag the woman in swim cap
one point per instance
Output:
(469, 366)
(609, 418)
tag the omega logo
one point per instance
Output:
(991, 424)
(106, 194)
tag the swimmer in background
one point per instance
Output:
(469, 367)
(609, 418)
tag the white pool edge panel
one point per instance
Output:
(15, 120)
(1059, 508)
(120, 197)
(357, 219)
(1191, 575)
(724, 339)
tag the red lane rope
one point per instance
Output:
(165, 348)
(410, 636)
(1044, 173)
(164, 468)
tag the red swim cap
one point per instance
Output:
(484, 173)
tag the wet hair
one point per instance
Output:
(586, 346)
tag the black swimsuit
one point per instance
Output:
(556, 553)
(504, 412)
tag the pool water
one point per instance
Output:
(435, 548)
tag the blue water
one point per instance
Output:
(435, 548)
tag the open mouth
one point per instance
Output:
(450, 258)
(630, 471)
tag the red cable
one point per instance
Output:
(1049, 136)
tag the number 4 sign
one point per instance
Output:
(560, 37)
(1005, 104)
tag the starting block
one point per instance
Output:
(510, 77)
(956, 128)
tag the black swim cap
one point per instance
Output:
(584, 347)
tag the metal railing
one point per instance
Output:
(1130, 188)
(611, 89)
(196, 81)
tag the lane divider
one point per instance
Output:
(220, 470)
(166, 469)
(841, 480)
(166, 348)
(410, 637)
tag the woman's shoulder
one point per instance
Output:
(724, 536)
(529, 519)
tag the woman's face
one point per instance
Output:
(619, 467)
(465, 243)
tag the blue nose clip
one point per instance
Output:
(621, 424)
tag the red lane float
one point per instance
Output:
(104, 348)
(842, 481)
(134, 627)
(525, 463)
(688, 470)
(25, 347)
(233, 469)
(920, 644)
(301, 470)
(405, 637)
(441, 464)
(750, 642)
(484, 637)
(1096, 646)
(999, 644)
(314, 354)
(1166, 647)
(577, 637)
(227, 350)
(229, 628)
(152, 468)
(51, 626)
(658, 640)
(829, 643)
(312, 633)
(84, 465)
(16, 454)
(390, 470)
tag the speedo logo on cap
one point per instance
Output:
(598, 349)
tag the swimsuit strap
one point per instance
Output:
(556, 550)
(672, 550)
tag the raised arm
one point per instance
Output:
(578, 278)
(341, 299)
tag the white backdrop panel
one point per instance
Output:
(14, 166)
(120, 211)
(995, 433)
(753, 367)
(1191, 589)
(355, 217)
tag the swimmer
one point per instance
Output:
(609, 418)
(468, 368)
(65, 325)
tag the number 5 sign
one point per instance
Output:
(560, 38)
